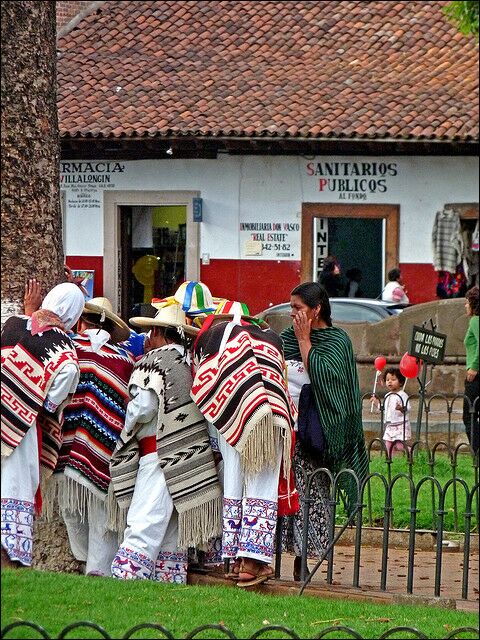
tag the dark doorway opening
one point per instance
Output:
(153, 241)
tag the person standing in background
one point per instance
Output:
(352, 289)
(394, 290)
(331, 277)
(471, 402)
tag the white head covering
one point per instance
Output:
(67, 301)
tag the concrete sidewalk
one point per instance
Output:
(370, 568)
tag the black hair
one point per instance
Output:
(393, 274)
(329, 264)
(94, 319)
(394, 371)
(313, 294)
(171, 334)
(472, 297)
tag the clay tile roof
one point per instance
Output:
(340, 69)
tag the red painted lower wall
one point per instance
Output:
(89, 262)
(420, 281)
(257, 282)
(260, 283)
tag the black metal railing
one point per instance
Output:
(197, 632)
(414, 480)
(356, 519)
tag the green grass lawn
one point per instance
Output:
(54, 600)
(401, 492)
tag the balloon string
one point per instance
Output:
(377, 373)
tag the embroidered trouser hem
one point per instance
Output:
(249, 507)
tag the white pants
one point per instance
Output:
(20, 480)
(90, 541)
(249, 507)
(149, 548)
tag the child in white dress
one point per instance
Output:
(396, 407)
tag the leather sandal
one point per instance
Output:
(247, 578)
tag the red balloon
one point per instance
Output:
(380, 363)
(409, 366)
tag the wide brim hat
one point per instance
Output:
(169, 316)
(195, 298)
(228, 309)
(103, 307)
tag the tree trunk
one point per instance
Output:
(31, 218)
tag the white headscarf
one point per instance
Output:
(67, 301)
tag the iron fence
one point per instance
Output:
(197, 632)
(429, 409)
(357, 520)
(453, 496)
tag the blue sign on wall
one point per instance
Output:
(197, 210)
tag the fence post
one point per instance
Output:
(466, 540)
(421, 394)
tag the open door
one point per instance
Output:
(364, 237)
(153, 241)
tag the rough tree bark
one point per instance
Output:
(31, 218)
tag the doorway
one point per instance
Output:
(157, 226)
(363, 237)
(153, 254)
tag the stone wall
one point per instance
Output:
(391, 338)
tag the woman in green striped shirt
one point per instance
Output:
(327, 354)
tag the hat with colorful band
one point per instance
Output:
(232, 307)
(195, 298)
(226, 311)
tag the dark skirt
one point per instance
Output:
(319, 511)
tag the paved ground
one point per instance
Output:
(423, 576)
(370, 568)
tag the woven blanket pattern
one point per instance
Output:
(236, 389)
(29, 366)
(95, 417)
(183, 447)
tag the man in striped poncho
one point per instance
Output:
(163, 472)
(39, 372)
(239, 387)
(94, 420)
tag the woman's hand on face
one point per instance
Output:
(302, 326)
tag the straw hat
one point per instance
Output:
(103, 307)
(170, 316)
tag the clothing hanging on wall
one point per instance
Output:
(447, 242)
(452, 285)
(455, 252)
